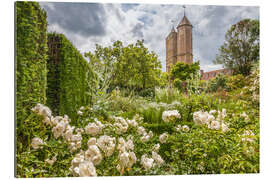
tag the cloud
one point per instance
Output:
(86, 24)
(137, 30)
(86, 19)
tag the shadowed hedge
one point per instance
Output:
(68, 77)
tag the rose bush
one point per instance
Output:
(191, 134)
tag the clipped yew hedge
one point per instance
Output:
(30, 64)
(67, 77)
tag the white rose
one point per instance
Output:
(163, 137)
(36, 142)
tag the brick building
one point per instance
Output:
(179, 48)
(212, 74)
(179, 44)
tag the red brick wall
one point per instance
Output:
(212, 74)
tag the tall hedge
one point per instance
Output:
(30, 63)
(67, 77)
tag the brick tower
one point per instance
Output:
(171, 49)
(179, 44)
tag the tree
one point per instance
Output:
(129, 67)
(241, 47)
(181, 72)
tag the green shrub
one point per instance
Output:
(68, 82)
(31, 57)
(217, 83)
(235, 82)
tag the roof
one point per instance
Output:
(184, 21)
(173, 30)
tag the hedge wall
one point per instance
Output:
(30, 63)
(67, 77)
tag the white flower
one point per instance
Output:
(245, 116)
(248, 133)
(68, 133)
(59, 129)
(214, 125)
(185, 128)
(106, 144)
(156, 147)
(137, 117)
(126, 160)
(150, 133)
(224, 111)
(51, 161)
(42, 110)
(224, 127)
(130, 145)
(118, 167)
(82, 108)
(221, 115)
(210, 118)
(141, 130)
(132, 122)
(212, 111)
(178, 127)
(145, 138)
(123, 159)
(93, 154)
(163, 137)
(121, 126)
(125, 146)
(170, 116)
(157, 158)
(94, 128)
(248, 136)
(55, 120)
(92, 141)
(247, 140)
(76, 137)
(80, 113)
(47, 121)
(87, 168)
(132, 159)
(75, 142)
(147, 163)
(79, 158)
(200, 117)
(36, 142)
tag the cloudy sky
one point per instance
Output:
(87, 24)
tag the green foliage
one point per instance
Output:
(235, 82)
(193, 84)
(69, 77)
(130, 67)
(31, 162)
(241, 47)
(167, 94)
(164, 79)
(217, 83)
(182, 71)
(31, 57)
